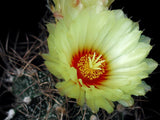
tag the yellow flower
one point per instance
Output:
(101, 56)
(65, 9)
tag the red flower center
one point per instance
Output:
(91, 67)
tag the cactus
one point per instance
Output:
(36, 95)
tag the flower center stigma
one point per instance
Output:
(91, 67)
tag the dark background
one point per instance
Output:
(24, 16)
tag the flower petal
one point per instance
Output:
(141, 89)
(57, 68)
(71, 89)
(91, 95)
(128, 101)
(132, 70)
(152, 65)
(132, 58)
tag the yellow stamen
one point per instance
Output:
(90, 66)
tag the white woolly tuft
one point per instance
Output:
(27, 100)
(11, 114)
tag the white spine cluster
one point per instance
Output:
(10, 114)
(27, 100)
